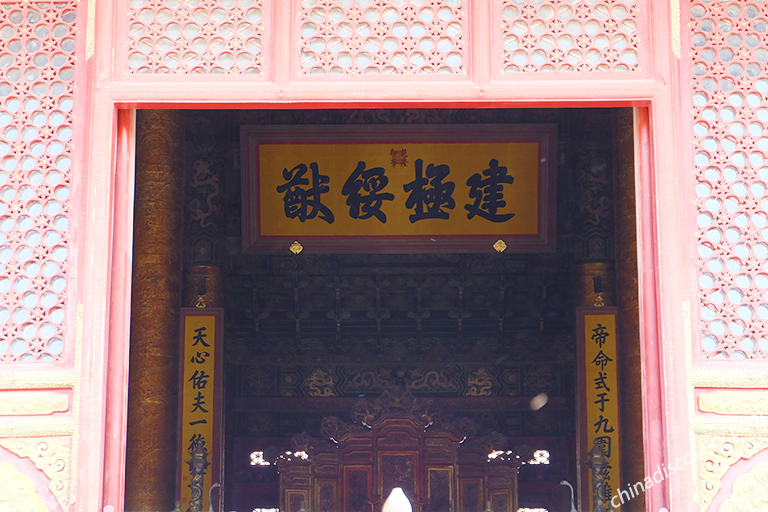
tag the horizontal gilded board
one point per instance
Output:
(398, 189)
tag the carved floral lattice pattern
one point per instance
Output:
(37, 46)
(195, 37)
(730, 116)
(569, 35)
(397, 37)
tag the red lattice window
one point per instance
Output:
(388, 37)
(37, 47)
(195, 37)
(730, 116)
(569, 36)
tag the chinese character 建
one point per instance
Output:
(488, 193)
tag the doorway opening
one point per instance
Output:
(487, 336)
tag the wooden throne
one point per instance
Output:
(398, 441)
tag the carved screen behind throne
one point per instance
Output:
(398, 441)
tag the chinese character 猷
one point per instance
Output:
(488, 193)
(433, 198)
(600, 335)
(371, 181)
(305, 203)
(199, 337)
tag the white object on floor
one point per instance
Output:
(397, 502)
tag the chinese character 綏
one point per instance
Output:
(199, 402)
(602, 423)
(602, 401)
(372, 181)
(488, 193)
(199, 379)
(605, 443)
(199, 358)
(305, 203)
(600, 335)
(199, 337)
(434, 198)
(600, 381)
(195, 440)
(601, 360)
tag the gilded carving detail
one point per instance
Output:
(53, 456)
(479, 383)
(320, 383)
(717, 454)
(32, 403)
(204, 183)
(17, 491)
(734, 402)
(750, 491)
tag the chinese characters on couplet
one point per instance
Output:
(199, 379)
(600, 395)
(430, 192)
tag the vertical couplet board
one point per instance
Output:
(598, 393)
(201, 401)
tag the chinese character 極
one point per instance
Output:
(435, 197)
(305, 203)
(488, 193)
(371, 181)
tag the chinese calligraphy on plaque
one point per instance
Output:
(599, 386)
(198, 402)
(359, 186)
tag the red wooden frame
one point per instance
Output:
(103, 198)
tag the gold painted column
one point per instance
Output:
(629, 364)
(151, 445)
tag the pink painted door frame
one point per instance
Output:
(665, 221)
